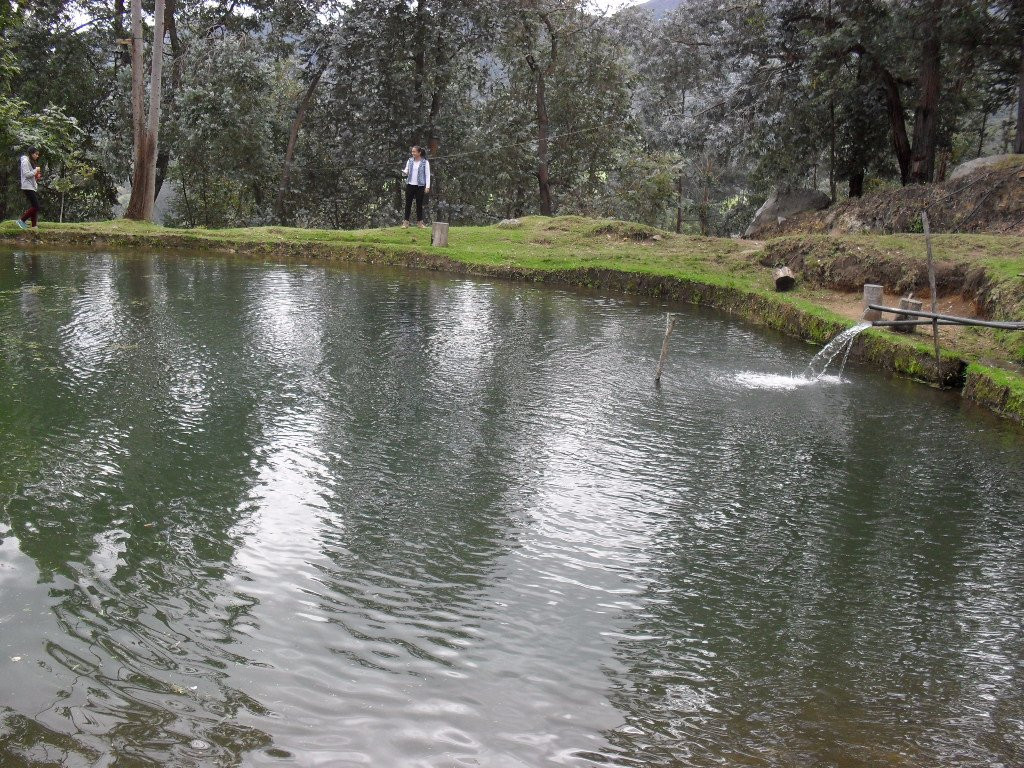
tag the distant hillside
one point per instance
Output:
(660, 8)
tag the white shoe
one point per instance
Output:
(22, 224)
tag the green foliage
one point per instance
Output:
(226, 129)
(688, 121)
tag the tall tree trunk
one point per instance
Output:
(897, 120)
(293, 140)
(926, 116)
(419, 69)
(1018, 144)
(679, 205)
(163, 158)
(543, 174)
(123, 54)
(832, 147)
(135, 204)
(5, 177)
(155, 92)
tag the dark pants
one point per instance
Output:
(33, 207)
(414, 192)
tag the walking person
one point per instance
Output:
(417, 183)
(31, 173)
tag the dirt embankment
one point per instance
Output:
(978, 273)
(988, 200)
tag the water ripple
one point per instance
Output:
(260, 514)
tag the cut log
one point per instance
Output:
(784, 279)
(872, 295)
(912, 304)
(439, 236)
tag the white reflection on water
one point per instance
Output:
(460, 347)
(278, 530)
(753, 380)
(88, 338)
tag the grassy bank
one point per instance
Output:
(732, 275)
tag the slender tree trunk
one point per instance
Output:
(163, 158)
(123, 55)
(832, 147)
(5, 178)
(926, 117)
(155, 91)
(858, 120)
(704, 210)
(543, 174)
(188, 205)
(679, 205)
(135, 204)
(441, 80)
(419, 69)
(140, 206)
(293, 140)
(1018, 144)
(897, 120)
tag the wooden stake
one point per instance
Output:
(931, 286)
(670, 323)
(439, 235)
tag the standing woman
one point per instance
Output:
(417, 183)
(31, 173)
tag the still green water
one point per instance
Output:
(282, 515)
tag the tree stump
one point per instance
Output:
(439, 235)
(872, 295)
(784, 279)
(907, 304)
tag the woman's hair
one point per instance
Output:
(31, 151)
(422, 151)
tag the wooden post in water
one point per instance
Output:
(932, 288)
(872, 295)
(670, 323)
(439, 235)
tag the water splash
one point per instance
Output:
(816, 370)
(841, 344)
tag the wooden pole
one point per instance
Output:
(670, 323)
(949, 319)
(931, 287)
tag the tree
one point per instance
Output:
(227, 131)
(540, 31)
(143, 198)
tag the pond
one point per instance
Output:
(264, 514)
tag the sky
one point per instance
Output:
(614, 5)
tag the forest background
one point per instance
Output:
(682, 114)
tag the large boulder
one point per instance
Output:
(781, 205)
(978, 163)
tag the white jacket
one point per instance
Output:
(28, 174)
